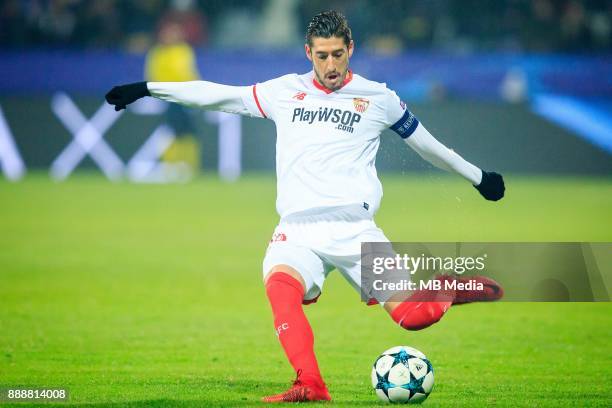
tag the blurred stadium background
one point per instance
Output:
(126, 292)
(522, 86)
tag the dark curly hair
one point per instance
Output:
(328, 24)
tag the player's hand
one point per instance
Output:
(123, 95)
(492, 186)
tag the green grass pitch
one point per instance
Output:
(151, 295)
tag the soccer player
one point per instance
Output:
(328, 124)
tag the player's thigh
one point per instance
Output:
(356, 268)
(301, 260)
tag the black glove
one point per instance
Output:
(123, 95)
(492, 186)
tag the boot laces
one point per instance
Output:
(297, 378)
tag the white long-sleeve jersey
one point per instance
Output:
(326, 141)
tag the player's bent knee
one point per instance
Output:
(281, 281)
(287, 270)
(419, 315)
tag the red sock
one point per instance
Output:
(419, 315)
(285, 294)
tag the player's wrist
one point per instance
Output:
(136, 90)
(142, 88)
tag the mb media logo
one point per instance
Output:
(345, 119)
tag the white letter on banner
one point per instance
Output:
(230, 144)
(87, 139)
(10, 159)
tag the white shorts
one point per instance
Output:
(314, 245)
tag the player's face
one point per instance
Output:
(330, 60)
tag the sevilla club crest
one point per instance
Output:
(361, 104)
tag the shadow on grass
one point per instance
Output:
(203, 403)
(215, 394)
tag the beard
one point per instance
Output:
(332, 80)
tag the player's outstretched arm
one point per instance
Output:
(201, 94)
(489, 184)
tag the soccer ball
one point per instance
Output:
(402, 375)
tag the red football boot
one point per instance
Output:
(492, 291)
(425, 307)
(301, 392)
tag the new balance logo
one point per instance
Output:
(299, 96)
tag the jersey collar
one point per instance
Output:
(349, 77)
